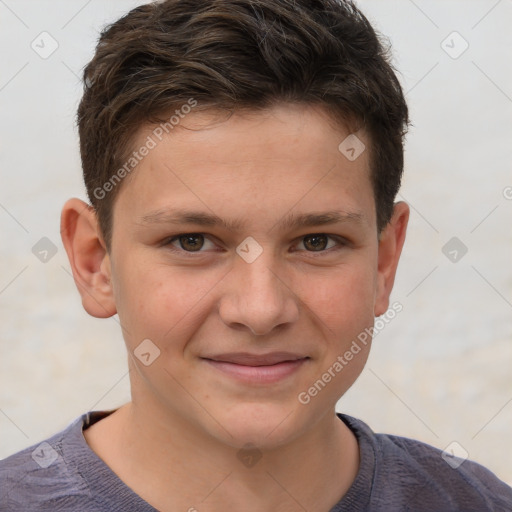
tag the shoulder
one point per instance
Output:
(406, 471)
(42, 476)
(462, 483)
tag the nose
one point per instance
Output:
(257, 298)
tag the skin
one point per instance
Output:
(176, 443)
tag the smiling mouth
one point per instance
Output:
(258, 369)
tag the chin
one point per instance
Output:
(264, 425)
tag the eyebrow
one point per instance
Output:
(179, 216)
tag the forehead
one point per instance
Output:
(288, 157)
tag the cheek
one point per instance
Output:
(161, 303)
(344, 301)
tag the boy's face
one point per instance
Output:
(245, 325)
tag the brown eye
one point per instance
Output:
(317, 242)
(321, 243)
(191, 242)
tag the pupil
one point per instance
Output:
(317, 242)
(192, 242)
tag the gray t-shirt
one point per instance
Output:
(395, 474)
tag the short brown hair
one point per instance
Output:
(238, 54)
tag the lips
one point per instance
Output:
(257, 368)
(246, 359)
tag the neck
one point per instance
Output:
(176, 467)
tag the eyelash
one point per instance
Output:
(341, 242)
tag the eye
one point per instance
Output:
(189, 242)
(199, 243)
(318, 242)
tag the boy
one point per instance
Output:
(242, 159)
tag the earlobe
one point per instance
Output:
(88, 258)
(390, 247)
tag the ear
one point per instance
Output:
(391, 241)
(88, 258)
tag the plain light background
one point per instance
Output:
(439, 372)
